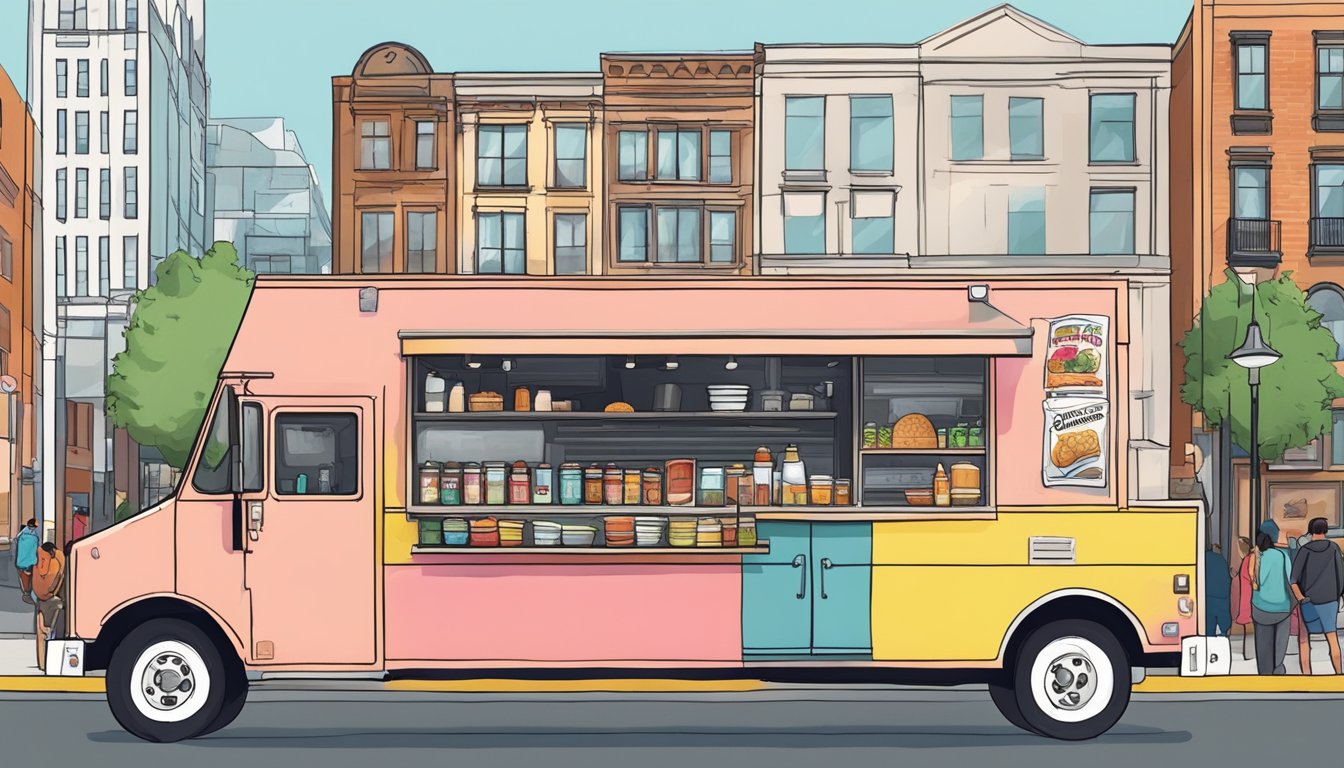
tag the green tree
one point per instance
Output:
(178, 337)
(1295, 392)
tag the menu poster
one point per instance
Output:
(1076, 449)
(1075, 354)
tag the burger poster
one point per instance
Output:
(1076, 355)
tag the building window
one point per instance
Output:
(6, 256)
(870, 133)
(60, 131)
(130, 193)
(82, 78)
(1026, 133)
(81, 266)
(130, 134)
(571, 149)
(968, 127)
(60, 265)
(424, 144)
(104, 133)
(1327, 223)
(376, 242)
(104, 264)
(633, 234)
(678, 156)
(872, 221)
(500, 244)
(720, 157)
(1251, 193)
(1252, 84)
(1111, 221)
(132, 82)
(804, 133)
(102, 76)
(130, 261)
(104, 194)
(81, 133)
(677, 234)
(375, 145)
(804, 222)
(1328, 300)
(422, 237)
(571, 249)
(60, 194)
(132, 15)
(62, 78)
(1026, 221)
(722, 237)
(73, 14)
(1329, 82)
(1112, 128)
(633, 155)
(81, 193)
(501, 156)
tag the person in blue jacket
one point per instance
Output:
(25, 557)
(1217, 593)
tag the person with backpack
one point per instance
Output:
(1271, 601)
(1317, 583)
(48, 580)
(25, 557)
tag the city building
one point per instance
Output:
(1257, 186)
(20, 215)
(265, 197)
(120, 91)
(999, 149)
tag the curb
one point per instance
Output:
(1243, 684)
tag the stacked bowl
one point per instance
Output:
(709, 532)
(681, 533)
(485, 532)
(620, 530)
(728, 397)
(649, 531)
(545, 533)
(577, 535)
(455, 532)
(511, 533)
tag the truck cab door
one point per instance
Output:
(311, 536)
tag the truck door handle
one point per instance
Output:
(825, 566)
(256, 519)
(799, 562)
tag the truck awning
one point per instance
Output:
(862, 318)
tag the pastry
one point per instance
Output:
(1072, 447)
(914, 430)
(619, 407)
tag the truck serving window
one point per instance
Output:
(317, 454)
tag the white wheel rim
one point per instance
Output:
(169, 682)
(1072, 680)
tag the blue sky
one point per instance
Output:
(277, 57)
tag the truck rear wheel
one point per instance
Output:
(1070, 680)
(167, 681)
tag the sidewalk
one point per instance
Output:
(16, 617)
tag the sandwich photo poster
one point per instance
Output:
(1076, 355)
(1076, 410)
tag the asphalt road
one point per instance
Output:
(776, 729)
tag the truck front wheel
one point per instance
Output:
(1070, 680)
(167, 681)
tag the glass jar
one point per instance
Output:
(842, 495)
(732, 486)
(613, 486)
(942, 437)
(870, 434)
(632, 486)
(975, 438)
(496, 480)
(821, 490)
(592, 485)
(680, 482)
(429, 482)
(450, 484)
(957, 436)
(571, 484)
(712, 486)
(884, 435)
(472, 491)
(542, 478)
(746, 532)
(520, 484)
(653, 487)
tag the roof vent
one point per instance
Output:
(1051, 550)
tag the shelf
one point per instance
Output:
(577, 510)
(761, 548)
(638, 415)
(978, 451)
(875, 514)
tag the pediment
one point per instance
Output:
(1001, 32)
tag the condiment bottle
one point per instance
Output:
(520, 484)
(542, 402)
(457, 398)
(522, 399)
(434, 393)
(542, 479)
(942, 488)
(613, 486)
(762, 476)
(793, 478)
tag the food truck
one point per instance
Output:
(688, 477)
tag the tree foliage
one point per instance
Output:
(1295, 392)
(179, 334)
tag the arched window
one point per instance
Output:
(1328, 299)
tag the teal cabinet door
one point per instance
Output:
(842, 588)
(777, 592)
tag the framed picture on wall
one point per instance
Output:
(1293, 505)
(1308, 457)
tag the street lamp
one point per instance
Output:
(1254, 354)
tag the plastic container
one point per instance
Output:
(496, 482)
(435, 394)
(450, 484)
(712, 493)
(543, 479)
(473, 490)
(821, 490)
(571, 484)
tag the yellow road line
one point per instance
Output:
(44, 684)
(1243, 684)
(623, 685)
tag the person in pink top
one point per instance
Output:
(1241, 592)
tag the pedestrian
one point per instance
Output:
(48, 580)
(1241, 594)
(1271, 601)
(1217, 593)
(1317, 582)
(25, 557)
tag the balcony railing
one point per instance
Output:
(1327, 236)
(1253, 243)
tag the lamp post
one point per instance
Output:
(1254, 354)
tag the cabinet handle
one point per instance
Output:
(825, 566)
(799, 562)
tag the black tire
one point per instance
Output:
(1106, 715)
(1004, 697)
(121, 672)
(235, 696)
